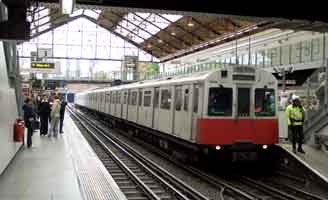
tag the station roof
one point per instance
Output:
(165, 36)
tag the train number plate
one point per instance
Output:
(244, 156)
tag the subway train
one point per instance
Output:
(231, 110)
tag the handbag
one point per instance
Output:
(36, 124)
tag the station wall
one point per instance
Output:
(8, 114)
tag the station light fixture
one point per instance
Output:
(67, 6)
(173, 33)
(265, 146)
(160, 41)
(190, 24)
(218, 147)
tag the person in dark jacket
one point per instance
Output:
(29, 117)
(62, 113)
(44, 112)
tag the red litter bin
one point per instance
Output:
(19, 129)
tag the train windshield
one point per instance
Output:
(220, 102)
(265, 102)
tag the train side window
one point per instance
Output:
(196, 99)
(166, 99)
(134, 98)
(186, 100)
(147, 98)
(140, 98)
(156, 98)
(125, 97)
(118, 101)
(130, 98)
(220, 101)
(178, 98)
(114, 97)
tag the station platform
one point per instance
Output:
(62, 168)
(314, 159)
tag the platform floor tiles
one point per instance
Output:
(58, 169)
(44, 171)
(314, 158)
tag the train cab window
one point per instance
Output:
(220, 102)
(196, 99)
(156, 98)
(244, 102)
(147, 98)
(178, 98)
(166, 99)
(186, 100)
(265, 102)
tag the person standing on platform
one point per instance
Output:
(29, 117)
(55, 115)
(44, 112)
(62, 114)
(295, 117)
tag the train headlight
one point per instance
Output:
(218, 147)
(264, 146)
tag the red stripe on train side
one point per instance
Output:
(230, 131)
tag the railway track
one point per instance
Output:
(137, 177)
(239, 187)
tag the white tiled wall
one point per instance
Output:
(8, 114)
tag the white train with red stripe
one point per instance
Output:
(230, 109)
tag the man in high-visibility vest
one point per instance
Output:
(295, 117)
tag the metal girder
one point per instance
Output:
(56, 25)
(307, 11)
(232, 22)
(51, 20)
(117, 34)
(260, 27)
(130, 32)
(205, 26)
(152, 35)
(181, 28)
(40, 18)
(169, 34)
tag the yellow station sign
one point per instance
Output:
(43, 65)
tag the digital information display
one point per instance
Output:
(43, 65)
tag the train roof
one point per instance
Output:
(185, 78)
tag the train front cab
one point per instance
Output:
(239, 117)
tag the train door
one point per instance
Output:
(125, 104)
(156, 109)
(197, 105)
(102, 97)
(140, 108)
(133, 106)
(243, 102)
(182, 114)
(94, 102)
(113, 105)
(186, 112)
(104, 102)
(107, 102)
(148, 108)
(178, 115)
(166, 110)
(119, 104)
